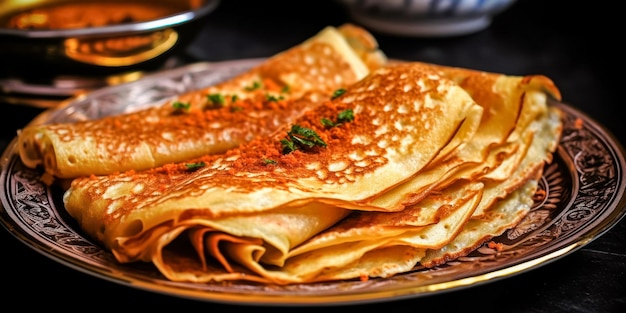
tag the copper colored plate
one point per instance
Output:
(585, 188)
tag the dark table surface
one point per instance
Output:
(565, 40)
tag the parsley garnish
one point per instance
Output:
(346, 115)
(285, 89)
(301, 138)
(288, 146)
(269, 161)
(273, 98)
(194, 166)
(338, 93)
(179, 105)
(343, 117)
(216, 100)
(327, 123)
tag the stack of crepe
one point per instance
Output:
(411, 164)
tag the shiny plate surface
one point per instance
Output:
(585, 186)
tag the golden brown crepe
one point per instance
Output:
(510, 104)
(210, 120)
(245, 210)
(443, 226)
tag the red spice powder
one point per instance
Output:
(266, 153)
(496, 246)
(578, 124)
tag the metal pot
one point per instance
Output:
(95, 36)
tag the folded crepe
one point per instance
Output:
(476, 203)
(510, 105)
(231, 216)
(444, 226)
(210, 120)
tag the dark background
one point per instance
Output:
(576, 43)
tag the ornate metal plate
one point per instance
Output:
(585, 186)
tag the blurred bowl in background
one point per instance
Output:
(95, 35)
(425, 18)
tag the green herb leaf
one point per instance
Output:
(345, 116)
(305, 136)
(269, 161)
(288, 146)
(327, 123)
(301, 138)
(184, 106)
(194, 166)
(338, 93)
(216, 100)
(273, 98)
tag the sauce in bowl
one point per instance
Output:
(72, 15)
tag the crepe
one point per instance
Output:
(210, 120)
(446, 224)
(249, 207)
(443, 226)
(510, 105)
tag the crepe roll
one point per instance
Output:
(207, 121)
